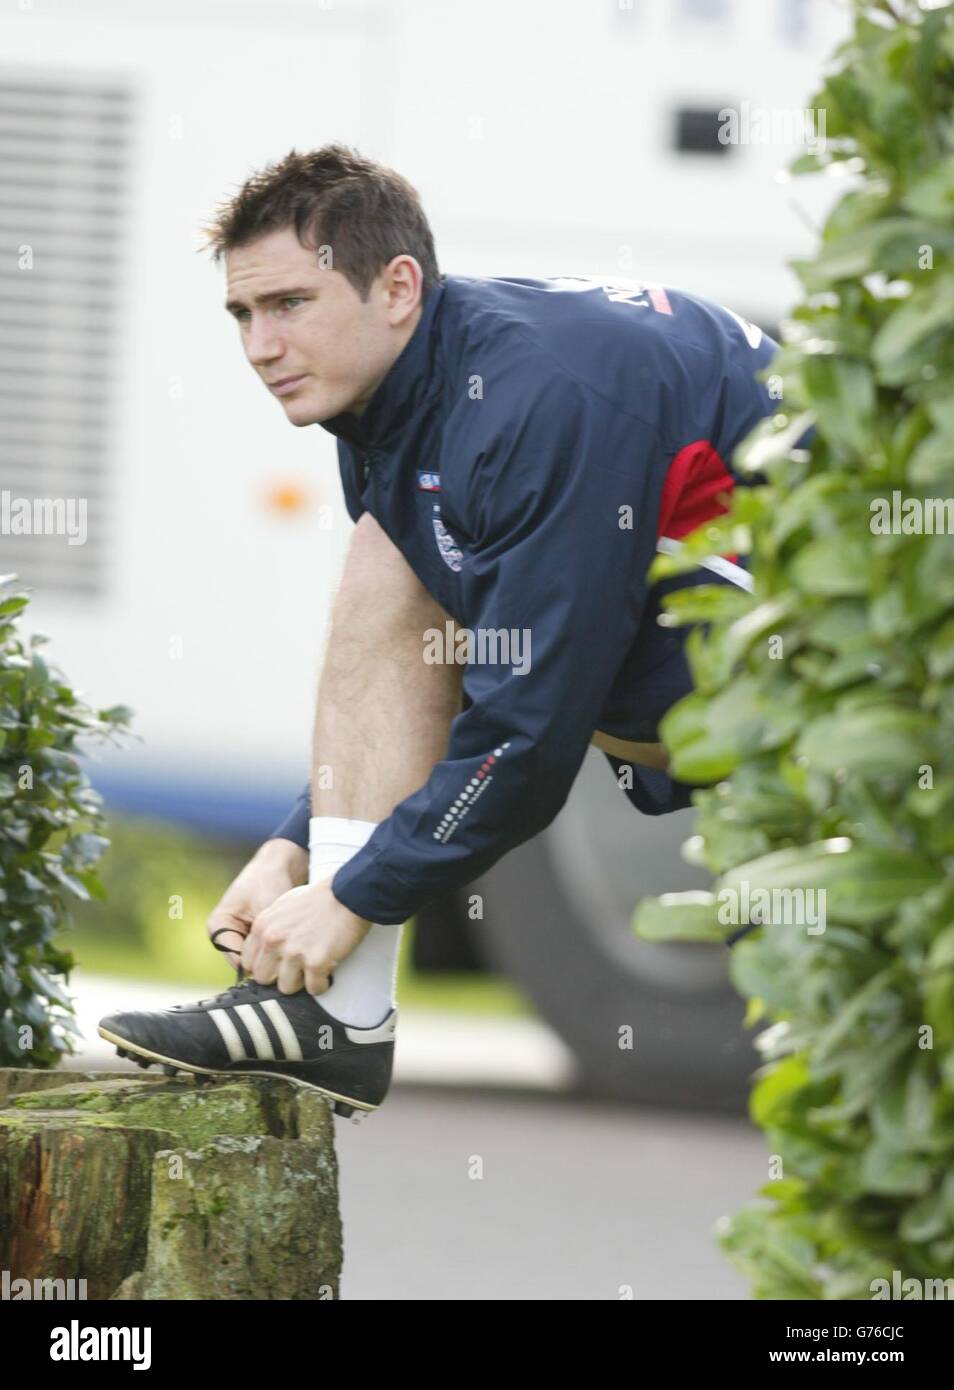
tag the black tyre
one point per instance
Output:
(557, 915)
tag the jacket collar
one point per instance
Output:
(409, 382)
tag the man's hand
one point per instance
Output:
(275, 868)
(301, 939)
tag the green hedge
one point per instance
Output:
(50, 819)
(823, 709)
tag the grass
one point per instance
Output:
(161, 884)
(458, 991)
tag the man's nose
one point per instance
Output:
(263, 344)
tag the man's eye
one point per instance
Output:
(293, 299)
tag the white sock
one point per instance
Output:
(363, 990)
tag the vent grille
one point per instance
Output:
(64, 195)
(697, 131)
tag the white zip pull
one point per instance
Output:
(717, 563)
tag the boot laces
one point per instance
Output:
(243, 980)
(227, 994)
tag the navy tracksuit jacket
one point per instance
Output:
(524, 452)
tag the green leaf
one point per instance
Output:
(842, 394)
(846, 257)
(48, 988)
(928, 312)
(851, 1013)
(832, 566)
(69, 882)
(932, 195)
(777, 1092)
(886, 1170)
(708, 736)
(92, 884)
(941, 954)
(118, 714)
(861, 885)
(678, 917)
(925, 1219)
(881, 740)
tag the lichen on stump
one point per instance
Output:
(158, 1188)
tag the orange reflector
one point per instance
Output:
(287, 497)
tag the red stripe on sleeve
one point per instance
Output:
(697, 488)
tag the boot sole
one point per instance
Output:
(346, 1106)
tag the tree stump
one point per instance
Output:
(157, 1187)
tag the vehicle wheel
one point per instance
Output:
(557, 921)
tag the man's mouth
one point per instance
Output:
(285, 384)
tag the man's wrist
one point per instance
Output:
(289, 855)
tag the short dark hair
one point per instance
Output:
(333, 196)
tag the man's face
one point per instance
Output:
(301, 322)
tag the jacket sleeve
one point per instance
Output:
(296, 824)
(549, 563)
(349, 467)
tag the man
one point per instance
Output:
(512, 451)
